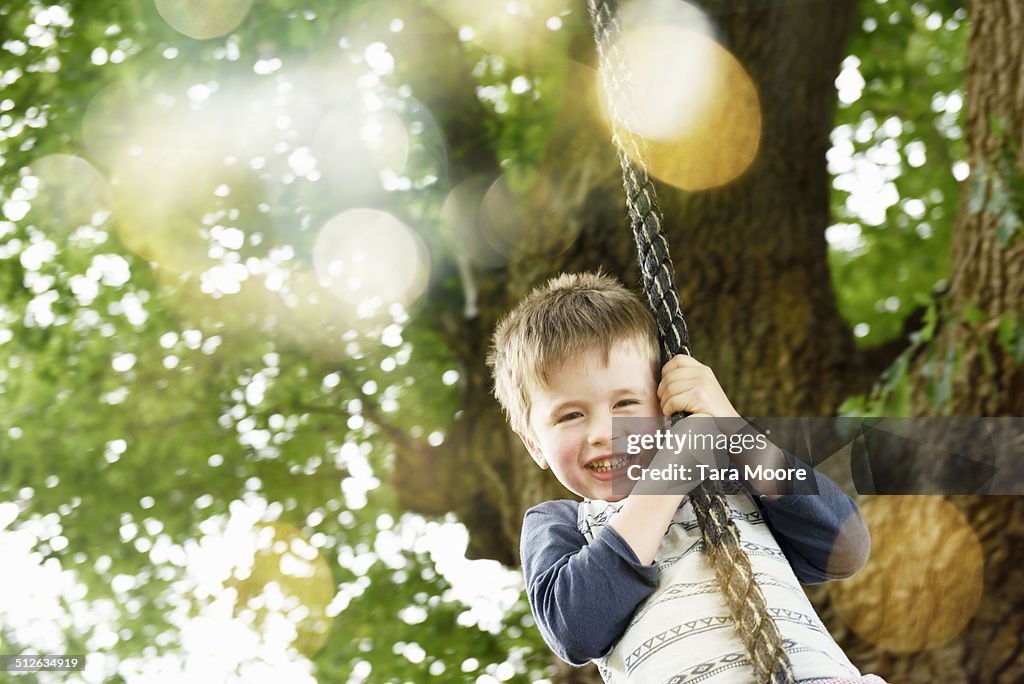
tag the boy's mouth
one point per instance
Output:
(607, 465)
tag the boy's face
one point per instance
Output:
(571, 419)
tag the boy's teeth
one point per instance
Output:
(604, 465)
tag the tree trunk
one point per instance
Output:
(968, 354)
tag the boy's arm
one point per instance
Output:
(643, 520)
(583, 595)
(818, 527)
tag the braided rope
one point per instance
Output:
(746, 602)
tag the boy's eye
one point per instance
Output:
(628, 402)
(568, 417)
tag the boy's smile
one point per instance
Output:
(570, 422)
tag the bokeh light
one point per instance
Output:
(173, 151)
(160, 198)
(666, 58)
(502, 221)
(924, 579)
(111, 122)
(309, 315)
(205, 18)
(203, 176)
(370, 259)
(291, 578)
(188, 159)
(461, 222)
(71, 192)
(685, 98)
(482, 220)
(361, 146)
(516, 30)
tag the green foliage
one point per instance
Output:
(906, 122)
(1010, 336)
(433, 624)
(937, 366)
(525, 97)
(911, 57)
(998, 188)
(137, 410)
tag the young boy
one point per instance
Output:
(606, 581)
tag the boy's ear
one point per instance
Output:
(535, 452)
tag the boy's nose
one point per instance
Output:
(600, 431)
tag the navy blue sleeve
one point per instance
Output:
(582, 595)
(818, 527)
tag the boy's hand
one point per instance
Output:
(688, 386)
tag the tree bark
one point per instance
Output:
(986, 287)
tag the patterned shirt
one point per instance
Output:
(667, 622)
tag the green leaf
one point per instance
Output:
(894, 373)
(973, 314)
(998, 125)
(999, 198)
(940, 383)
(986, 359)
(978, 189)
(1008, 226)
(931, 320)
(1011, 336)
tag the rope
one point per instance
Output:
(746, 602)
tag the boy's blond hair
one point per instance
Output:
(570, 315)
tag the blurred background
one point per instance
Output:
(251, 254)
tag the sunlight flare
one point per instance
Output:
(367, 255)
(202, 20)
(924, 580)
(71, 192)
(685, 103)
